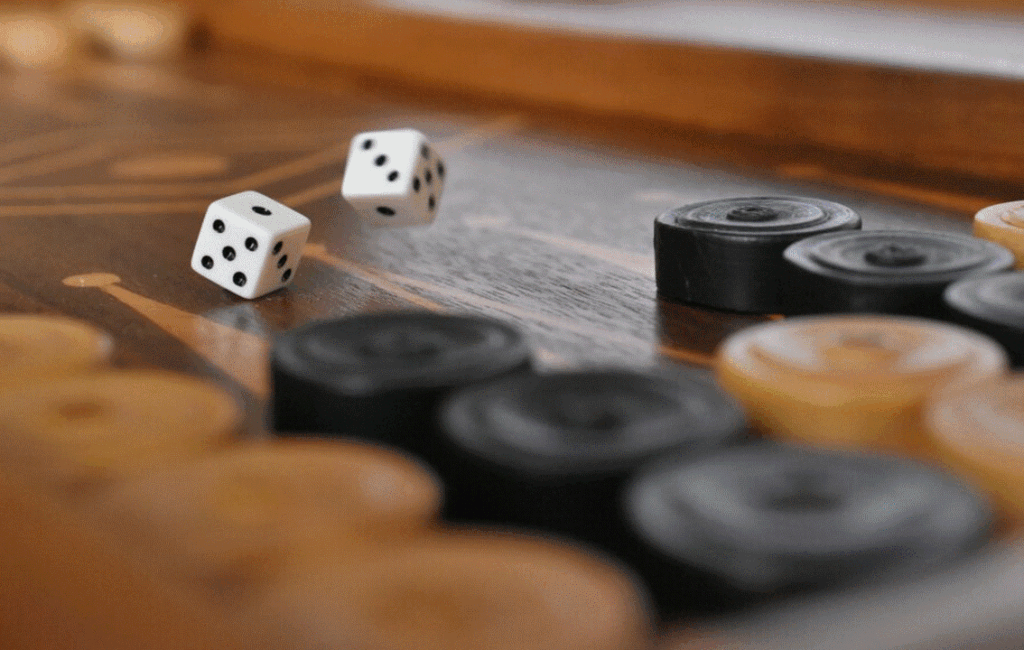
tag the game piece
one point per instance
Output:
(727, 254)
(979, 431)
(382, 376)
(41, 347)
(886, 271)
(250, 244)
(135, 31)
(393, 178)
(467, 591)
(552, 451)
(35, 40)
(850, 381)
(66, 586)
(1003, 224)
(994, 305)
(76, 434)
(741, 524)
(225, 523)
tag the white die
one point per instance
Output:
(250, 244)
(393, 178)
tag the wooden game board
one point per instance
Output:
(105, 172)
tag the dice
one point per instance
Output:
(393, 178)
(250, 244)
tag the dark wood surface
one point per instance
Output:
(106, 170)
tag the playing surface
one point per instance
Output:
(106, 171)
(105, 177)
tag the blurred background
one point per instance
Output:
(920, 99)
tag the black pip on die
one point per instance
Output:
(250, 244)
(393, 178)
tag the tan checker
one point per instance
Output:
(850, 381)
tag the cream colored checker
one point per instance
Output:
(136, 31)
(980, 431)
(76, 433)
(1003, 224)
(227, 522)
(38, 347)
(35, 40)
(850, 381)
(482, 591)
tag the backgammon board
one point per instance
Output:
(106, 170)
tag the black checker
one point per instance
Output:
(381, 376)
(727, 254)
(771, 519)
(887, 271)
(553, 450)
(994, 305)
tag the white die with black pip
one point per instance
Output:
(250, 244)
(393, 178)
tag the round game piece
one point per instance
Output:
(77, 433)
(727, 254)
(1003, 224)
(994, 305)
(381, 376)
(41, 347)
(227, 522)
(768, 519)
(886, 271)
(135, 31)
(553, 451)
(461, 590)
(980, 432)
(850, 381)
(35, 40)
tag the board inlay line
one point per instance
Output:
(120, 189)
(57, 162)
(37, 144)
(319, 252)
(240, 355)
(103, 209)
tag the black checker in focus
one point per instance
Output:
(727, 254)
